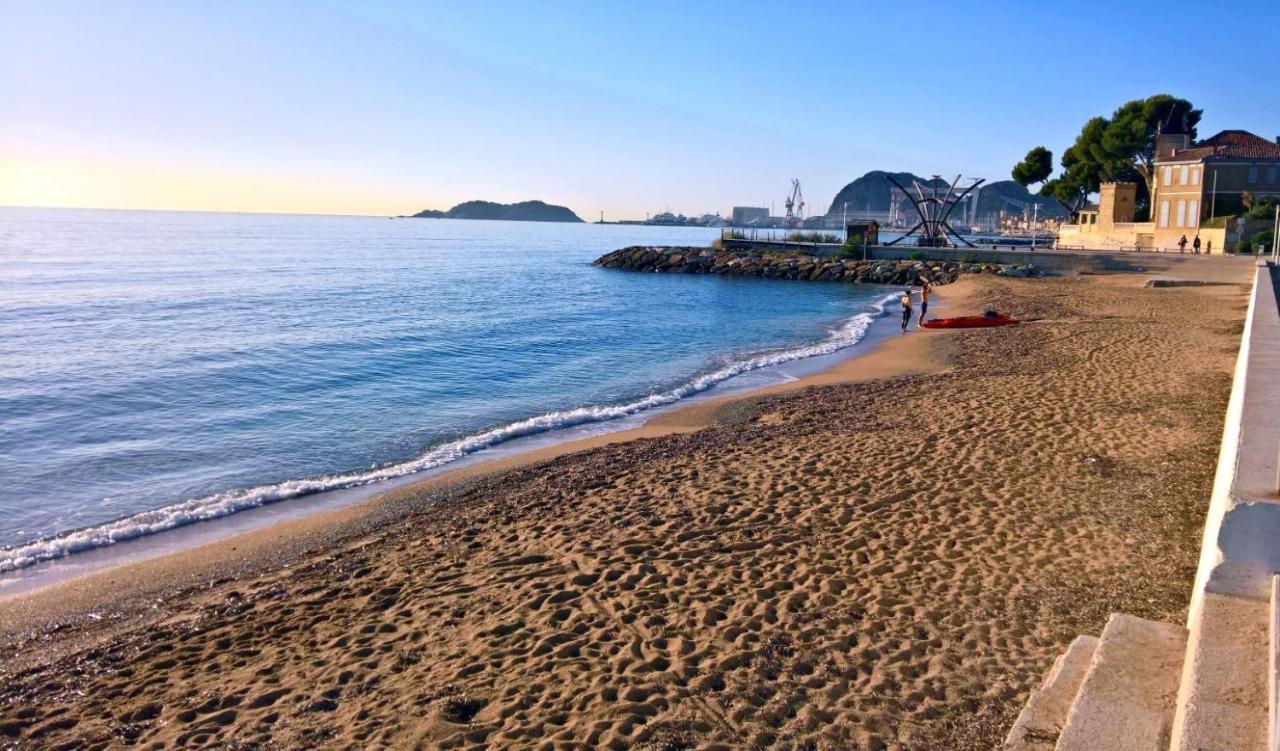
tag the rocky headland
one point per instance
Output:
(874, 192)
(773, 265)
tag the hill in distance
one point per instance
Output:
(525, 211)
(872, 190)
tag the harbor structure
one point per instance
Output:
(749, 216)
(867, 233)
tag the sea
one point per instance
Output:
(165, 369)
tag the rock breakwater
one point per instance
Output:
(773, 265)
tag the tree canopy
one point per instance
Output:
(1121, 148)
(1035, 167)
(1263, 208)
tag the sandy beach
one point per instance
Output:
(887, 555)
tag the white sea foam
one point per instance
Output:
(850, 332)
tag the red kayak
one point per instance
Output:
(968, 322)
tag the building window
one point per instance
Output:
(1195, 175)
(1164, 213)
(1182, 214)
(1182, 179)
(1253, 175)
(1271, 174)
(1168, 175)
(1193, 213)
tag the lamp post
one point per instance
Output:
(1035, 217)
(844, 220)
(1213, 198)
(1275, 237)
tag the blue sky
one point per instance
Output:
(387, 107)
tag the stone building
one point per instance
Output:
(1195, 182)
(1193, 185)
(1108, 224)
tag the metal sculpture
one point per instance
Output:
(934, 206)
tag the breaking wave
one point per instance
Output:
(850, 332)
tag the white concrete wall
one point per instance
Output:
(1241, 547)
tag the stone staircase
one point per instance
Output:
(1223, 702)
(1215, 684)
(1045, 714)
(1149, 686)
(1115, 692)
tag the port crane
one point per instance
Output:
(794, 203)
(896, 197)
(1026, 207)
(971, 208)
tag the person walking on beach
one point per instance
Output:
(1182, 244)
(906, 307)
(1195, 245)
(925, 289)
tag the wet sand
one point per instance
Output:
(277, 542)
(888, 555)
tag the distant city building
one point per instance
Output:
(670, 219)
(667, 217)
(748, 216)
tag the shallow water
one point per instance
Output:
(160, 368)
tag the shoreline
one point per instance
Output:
(883, 560)
(243, 535)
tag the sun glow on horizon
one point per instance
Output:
(73, 181)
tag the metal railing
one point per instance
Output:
(780, 235)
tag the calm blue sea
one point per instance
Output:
(162, 368)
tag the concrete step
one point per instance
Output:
(1045, 713)
(1126, 700)
(1223, 700)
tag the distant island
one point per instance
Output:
(525, 211)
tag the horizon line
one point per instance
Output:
(191, 211)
